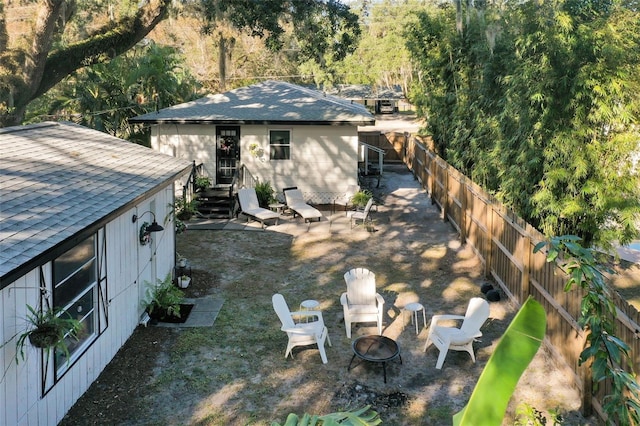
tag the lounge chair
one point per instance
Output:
(251, 208)
(296, 203)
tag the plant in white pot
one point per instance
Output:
(183, 281)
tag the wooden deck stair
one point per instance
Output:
(214, 203)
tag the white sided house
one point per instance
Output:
(68, 240)
(282, 133)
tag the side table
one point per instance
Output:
(413, 309)
(277, 207)
(308, 305)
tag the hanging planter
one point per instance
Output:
(48, 330)
(46, 336)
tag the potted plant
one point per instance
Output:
(361, 198)
(202, 183)
(182, 261)
(163, 299)
(264, 192)
(183, 209)
(183, 281)
(48, 329)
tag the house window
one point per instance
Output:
(75, 292)
(280, 144)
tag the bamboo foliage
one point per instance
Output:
(539, 103)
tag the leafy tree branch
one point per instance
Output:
(607, 353)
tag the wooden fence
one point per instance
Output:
(504, 243)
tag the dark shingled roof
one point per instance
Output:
(57, 179)
(269, 102)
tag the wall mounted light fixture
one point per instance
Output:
(146, 229)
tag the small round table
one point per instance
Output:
(375, 348)
(276, 207)
(413, 309)
(309, 305)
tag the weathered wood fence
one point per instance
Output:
(504, 243)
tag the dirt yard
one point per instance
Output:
(235, 372)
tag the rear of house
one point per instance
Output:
(74, 202)
(282, 133)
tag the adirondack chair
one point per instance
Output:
(301, 334)
(360, 302)
(447, 338)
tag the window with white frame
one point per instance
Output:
(75, 291)
(280, 144)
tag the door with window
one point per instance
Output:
(227, 152)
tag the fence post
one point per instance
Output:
(463, 210)
(445, 198)
(526, 259)
(489, 240)
(433, 167)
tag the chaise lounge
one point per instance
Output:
(250, 207)
(295, 202)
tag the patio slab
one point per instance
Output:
(203, 314)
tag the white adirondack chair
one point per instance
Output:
(301, 334)
(447, 338)
(361, 302)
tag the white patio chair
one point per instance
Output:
(345, 199)
(363, 215)
(447, 338)
(301, 334)
(251, 208)
(361, 302)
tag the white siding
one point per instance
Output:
(21, 400)
(191, 142)
(324, 159)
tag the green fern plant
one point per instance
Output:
(264, 192)
(47, 330)
(163, 299)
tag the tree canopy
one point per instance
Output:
(66, 36)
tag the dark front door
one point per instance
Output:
(228, 152)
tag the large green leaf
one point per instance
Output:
(496, 384)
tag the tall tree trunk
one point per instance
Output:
(222, 61)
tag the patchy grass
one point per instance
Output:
(235, 372)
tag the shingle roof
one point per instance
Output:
(57, 179)
(269, 102)
(365, 91)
